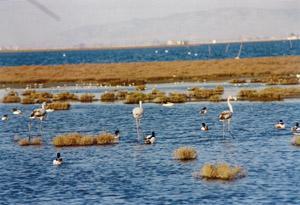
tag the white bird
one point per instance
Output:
(296, 128)
(138, 114)
(226, 116)
(204, 127)
(168, 104)
(117, 135)
(16, 111)
(58, 160)
(49, 110)
(150, 139)
(4, 118)
(39, 113)
(280, 125)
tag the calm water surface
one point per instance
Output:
(199, 52)
(133, 173)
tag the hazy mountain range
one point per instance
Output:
(220, 24)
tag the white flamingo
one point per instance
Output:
(226, 116)
(40, 114)
(138, 114)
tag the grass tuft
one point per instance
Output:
(221, 171)
(87, 98)
(59, 106)
(33, 141)
(11, 97)
(185, 153)
(108, 97)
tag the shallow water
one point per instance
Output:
(132, 173)
(198, 52)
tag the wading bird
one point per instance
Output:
(226, 116)
(40, 114)
(138, 114)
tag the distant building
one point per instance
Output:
(176, 42)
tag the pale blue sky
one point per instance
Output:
(23, 23)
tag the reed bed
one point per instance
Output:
(33, 141)
(108, 97)
(185, 153)
(238, 81)
(135, 97)
(77, 139)
(207, 94)
(65, 96)
(221, 171)
(87, 98)
(177, 97)
(296, 140)
(32, 97)
(11, 97)
(269, 94)
(59, 106)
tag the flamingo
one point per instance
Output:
(226, 116)
(39, 113)
(203, 112)
(138, 114)
(150, 139)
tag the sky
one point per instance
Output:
(44, 22)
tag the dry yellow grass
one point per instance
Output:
(269, 94)
(31, 97)
(59, 106)
(296, 140)
(108, 97)
(76, 139)
(87, 98)
(221, 171)
(153, 71)
(33, 141)
(11, 97)
(185, 153)
(65, 96)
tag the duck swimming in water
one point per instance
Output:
(58, 160)
(150, 139)
(280, 125)
(204, 127)
(117, 134)
(296, 128)
(16, 111)
(4, 118)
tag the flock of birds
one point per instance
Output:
(225, 117)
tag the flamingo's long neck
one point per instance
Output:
(141, 104)
(229, 105)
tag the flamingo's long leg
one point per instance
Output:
(29, 130)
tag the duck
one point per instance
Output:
(296, 128)
(150, 139)
(4, 118)
(168, 104)
(16, 111)
(117, 134)
(58, 160)
(280, 125)
(203, 111)
(204, 127)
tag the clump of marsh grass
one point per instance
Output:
(237, 81)
(206, 94)
(221, 171)
(177, 97)
(215, 98)
(296, 140)
(105, 138)
(77, 139)
(135, 97)
(65, 96)
(11, 97)
(108, 97)
(59, 106)
(33, 141)
(185, 153)
(140, 87)
(87, 98)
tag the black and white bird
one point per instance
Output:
(16, 111)
(4, 118)
(203, 112)
(280, 125)
(137, 113)
(204, 127)
(58, 160)
(226, 116)
(150, 139)
(296, 128)
(117, 135)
